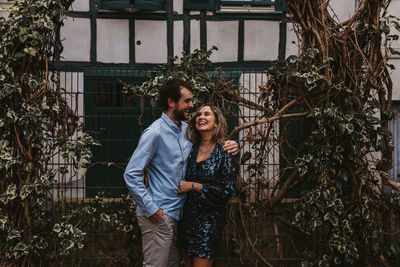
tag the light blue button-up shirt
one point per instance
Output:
(163, 149)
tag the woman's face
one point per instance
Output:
(205, 119)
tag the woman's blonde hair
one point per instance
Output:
(219, 132)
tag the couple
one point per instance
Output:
(203, 171)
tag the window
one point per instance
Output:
(139, 4)
(235, 5)
(116, 121)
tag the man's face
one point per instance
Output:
(184, 105)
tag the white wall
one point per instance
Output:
(151, 41)
(80, 5)
(224, 35)
(3, 8)
(261, 40)
(112, 40)
(342, 10)
(394, 9)
(178, 38)
(75, 36)
(71, 184)
(194, 35)
(249, 89)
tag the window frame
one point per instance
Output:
(100, 121)
(150, 5)
(224, 5)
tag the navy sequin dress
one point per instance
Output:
(204, 212)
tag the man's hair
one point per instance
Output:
(219, 132)
(172, 89)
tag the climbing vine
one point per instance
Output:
(35, 125)
(335, 93)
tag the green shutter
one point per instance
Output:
(199, 4)
(113, 118)
(114, 4)
(281, 6)
(149, 4)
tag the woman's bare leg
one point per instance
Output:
(199, 262)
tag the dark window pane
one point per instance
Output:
(122, 99)
(119, 96)
(114, 4)
(103, 95)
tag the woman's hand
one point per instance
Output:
(184, 186)
(231, 147)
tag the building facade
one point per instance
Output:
(109, 41)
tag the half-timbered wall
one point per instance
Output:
(108, 43)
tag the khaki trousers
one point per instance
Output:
(159, 242)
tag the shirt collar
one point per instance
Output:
(170, 123)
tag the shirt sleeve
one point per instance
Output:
(134, 172)
(218, 192)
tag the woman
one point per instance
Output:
(210, 183)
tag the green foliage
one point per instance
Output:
(344, 133)
(108, 222)
(35, 125)
(193, 68)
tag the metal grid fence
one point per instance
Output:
(117, 122)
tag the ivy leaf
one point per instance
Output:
(349, 128)
(31, 51)
(67, 244)
(13, 234)
(316, 222)
(105, 217)
(291, 59)
(78, 233)
(26, 191)
(127, 228)
(79, 245)
(245, 157)
(57, 228)
(153, 92)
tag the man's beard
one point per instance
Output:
(179, 115)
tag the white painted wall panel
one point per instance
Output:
(261, 40)
(178, 38)
(178, 6)
(396, 79)
(80, 5)
(249, 89)
(224, 35)
(112, 40)
(71, 184)
(153, 41)
(291, 41)
(342, 9)
(3, 5)
(76, 39)
(394, 9)
(394, 127)
(194, 35)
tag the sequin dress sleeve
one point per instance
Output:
(204, 212)
(217, 193)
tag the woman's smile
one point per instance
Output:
(205, 119)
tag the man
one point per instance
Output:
(163, 150)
